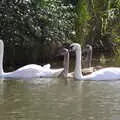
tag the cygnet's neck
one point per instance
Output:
(78, 70)
(66, 64)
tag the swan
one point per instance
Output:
(65, 52)
(28, 71)
(88, 50)
(110, 73)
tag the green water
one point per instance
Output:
(60, 99)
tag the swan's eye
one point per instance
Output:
(71, 48)
(87, 46)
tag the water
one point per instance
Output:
(59, 99)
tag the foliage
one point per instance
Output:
(81, 21)
(34, 30)
(99, 19)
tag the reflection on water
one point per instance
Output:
(59, 99)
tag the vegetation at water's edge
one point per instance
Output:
(33, 30)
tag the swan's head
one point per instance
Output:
(63, 51)
(89, 47)
(75, 46)
(87, 50)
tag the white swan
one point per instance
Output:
(110, 73)
(28, 71)
(64, 52)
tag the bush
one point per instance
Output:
(31, 34)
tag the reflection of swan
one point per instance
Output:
(111, 73)
(64, 52)
(28, 71)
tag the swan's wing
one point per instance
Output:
(30, 71)
(23, 73)
(31, 66)
(106, 74)
(47, 66)
(35, 67)
(50, 72)
(36, 71)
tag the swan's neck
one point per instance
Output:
(89, 57)
(66, 64)
(1, 57)
(78, 70)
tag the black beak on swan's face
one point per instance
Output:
(71, 48)
(62, 52)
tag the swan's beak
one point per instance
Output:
(70, 49)
(62, 52)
